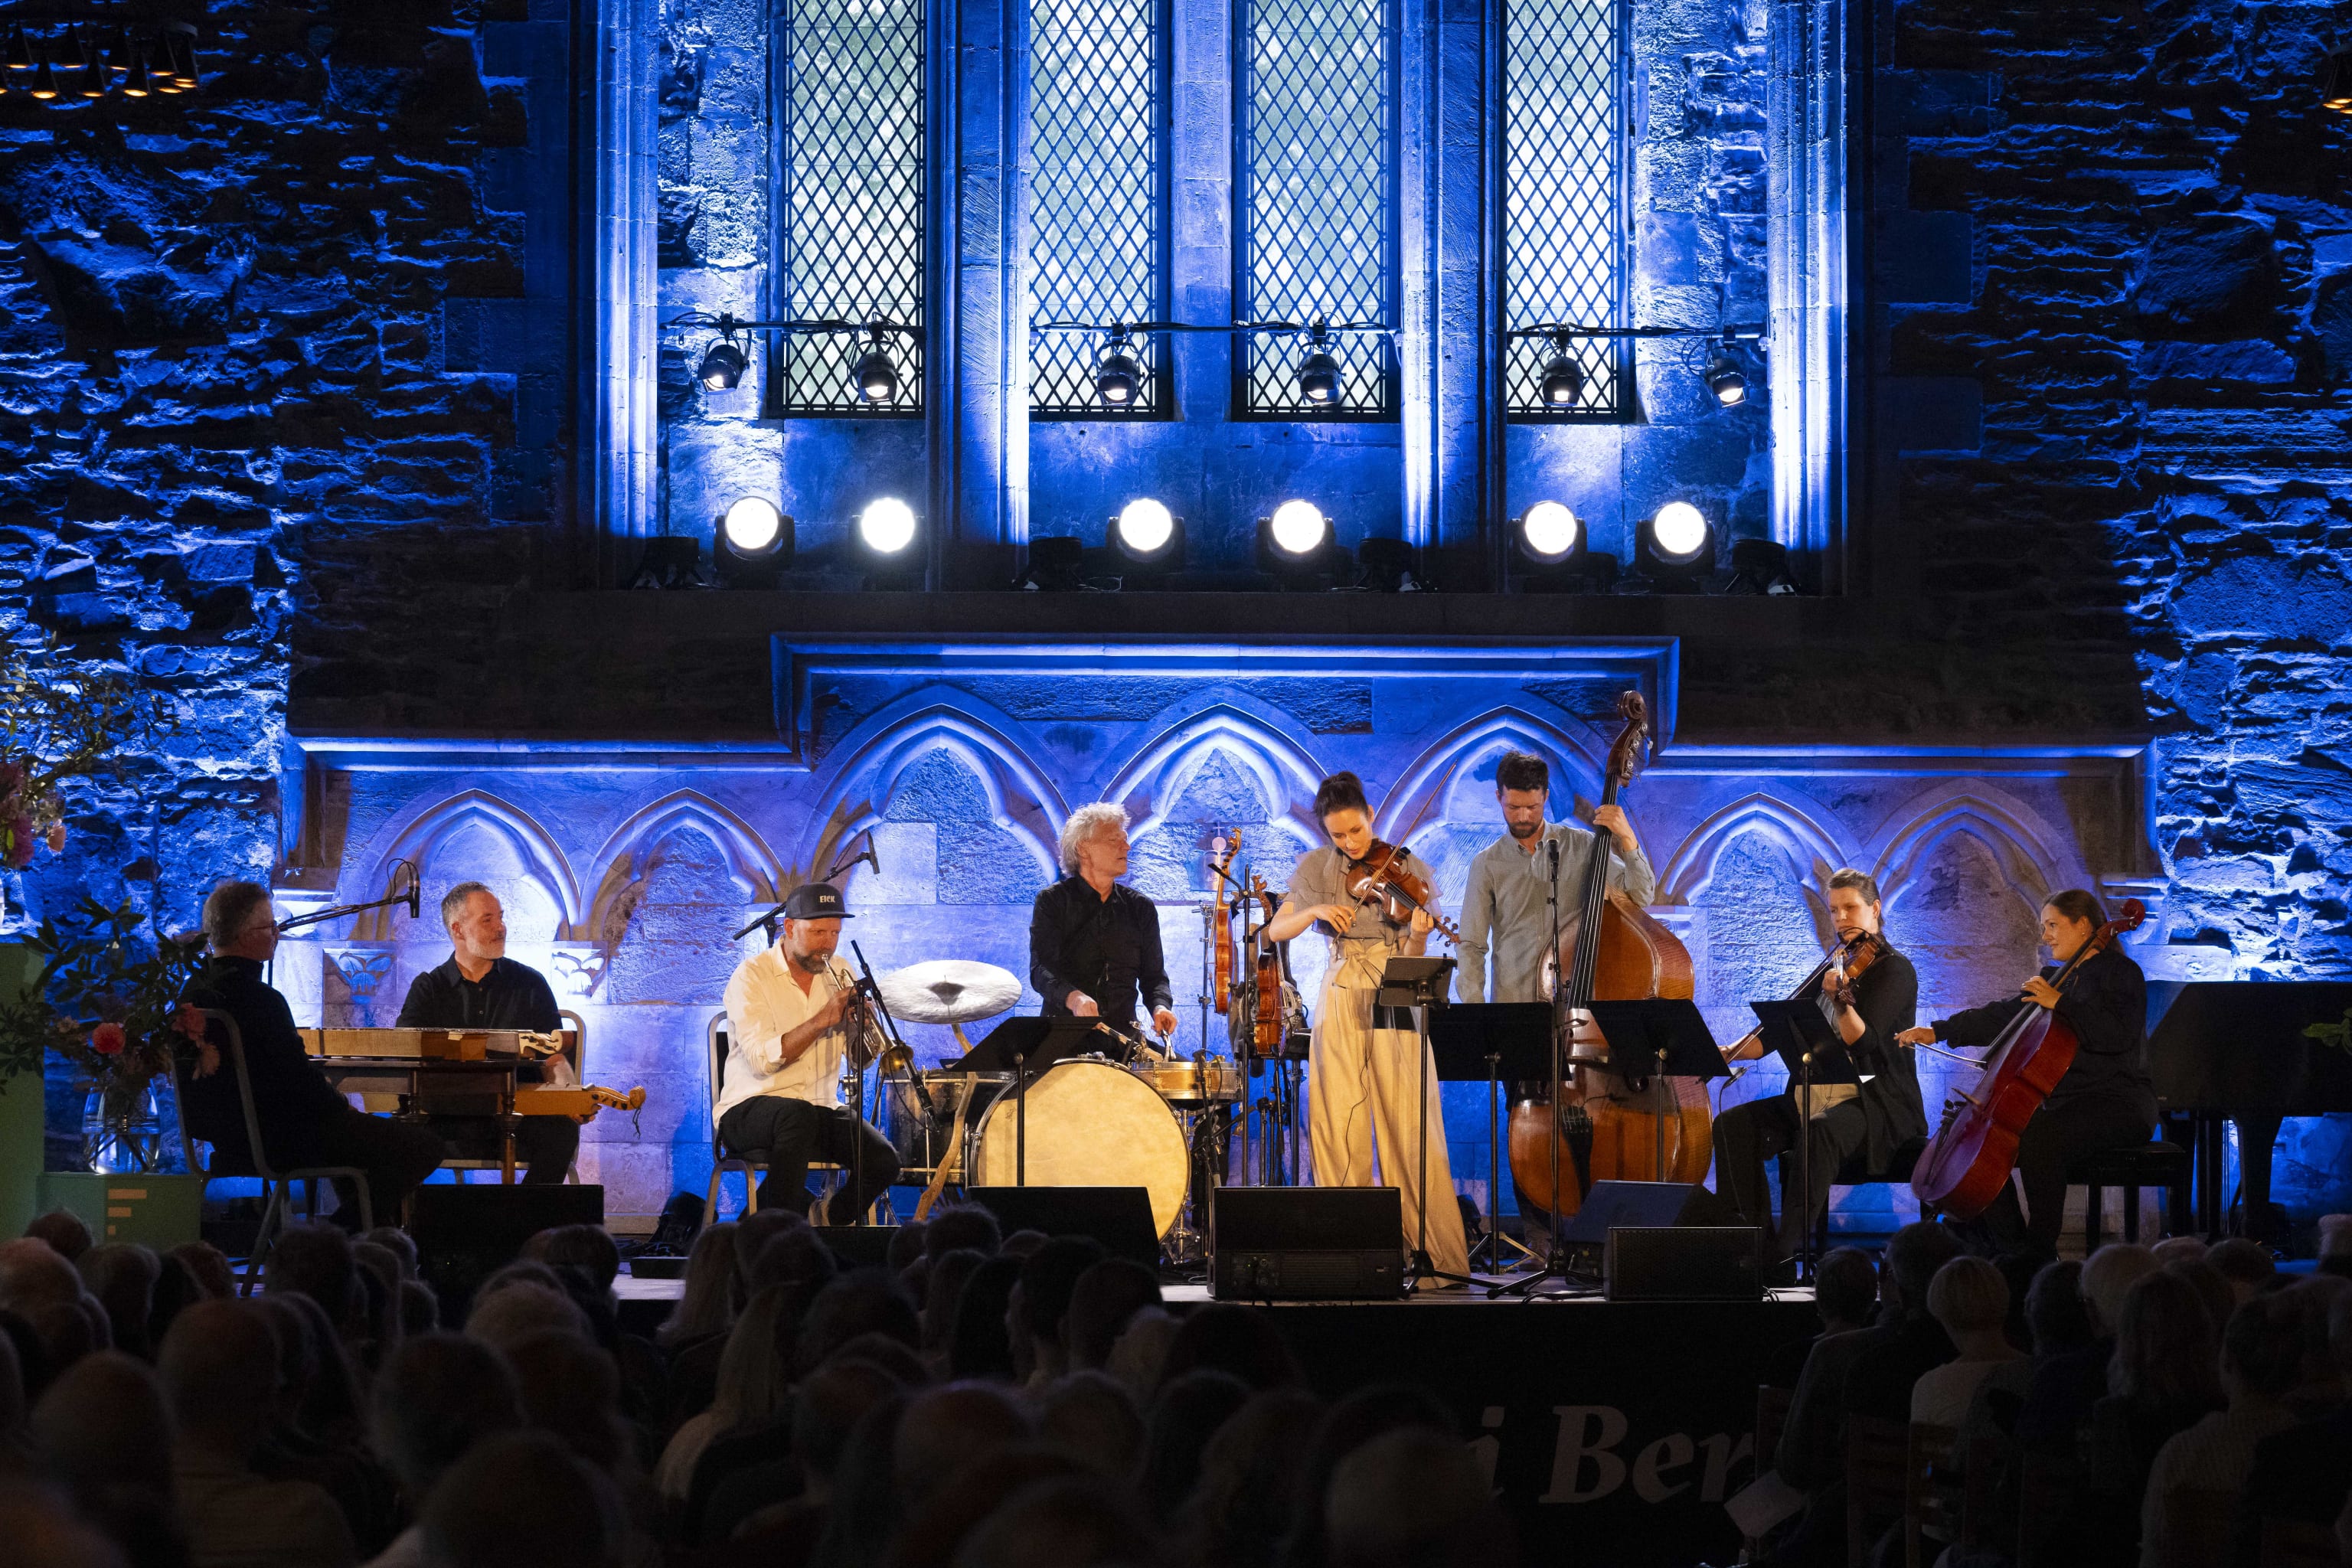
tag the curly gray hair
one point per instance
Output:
(1083, 823)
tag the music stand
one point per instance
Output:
(1025, 1046)
(1492, 1040)
(1673, 1033)
(1815, 1057)
(1419, 984)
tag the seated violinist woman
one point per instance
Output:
(1868, 992)
(2105, 1100)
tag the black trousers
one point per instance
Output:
(395, 1156)
(545, 1144)
(2060, 1132)
(1748, 1136)
(786, 1135)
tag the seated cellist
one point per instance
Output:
(2105, 1102)
(1878, 1118)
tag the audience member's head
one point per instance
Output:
(907, 1244)
(2246, 1265)
(380, 1275)
(1105, 1297)
(1022, 1243)
(965, 1225)
(123, 1276)
(2055, 1312)
(1228, 1337)
(102, 1425)
(2107, 1274)
(1069, 1522)
(522, 1500)
(942, 1293)
(1247, 1493)
(863, 1506)
(945, 1429)
(1185, 1416)
(1845, 1288)
(176, 1290)
(2167, 1354)
(755, 1369)
(981, 1345)
(219, 1372)
(796, 1256)
(520, 1308)
(1345, 1427)
(42, 1532)
(588, 1247)
(1411, 1498)
(400, 1244)
(2336, 1244)
(2212, 1289)
(69, 1328)
(34, 1275)
(216, 1281)
(2262, 1350)
(316, 1259)
(753, 1231)
(63, 1230)
(436, 1395)
(888, 1353)
(34, 1370)
(1091, 1419)
(707, 1305)
(1041, 1301)
(298, 1355)
(1970, 1299)
(1913, 1255)
(867, 1302)
(826, 1408)
(2178, 1249)
(571, 1391)
(420, 1309)
(939, 1527)
(1139, 1361)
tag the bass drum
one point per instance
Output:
(1090, 1124)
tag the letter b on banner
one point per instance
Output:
(1586, 1432)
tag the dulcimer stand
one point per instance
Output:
(1498, 1042)
(1419, 984)
(1799, 1034)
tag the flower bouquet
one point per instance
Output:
(57, 723)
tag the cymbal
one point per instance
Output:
(949, 991)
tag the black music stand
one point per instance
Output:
(1419, 984)
(1493, 1040)
(1025, 1046)
(1816, 1057)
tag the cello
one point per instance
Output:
(1968, 1162)
(1586, 1127)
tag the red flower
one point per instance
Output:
(107, 1039)
(190, 1021)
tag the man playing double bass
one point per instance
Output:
(1506, 907)
(1877, 1117)
(2105, 1102)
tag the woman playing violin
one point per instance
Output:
(1369, 1075)
(1867, 1002)
(2105, 1102)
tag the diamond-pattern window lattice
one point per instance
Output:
(851, 211)
(1564, 198)
(1095, 203)
(1316, 139)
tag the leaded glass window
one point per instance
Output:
(850, 210)
(1316, 175)
(1564, 199)
(1095, 200)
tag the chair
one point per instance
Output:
(2298, 1543)
(2155, 1164)
(2047, 1489)
(1856, 1172)
(275, 1183)
(1934, 1500)
(578, 1056)
(1771, 1420)
(717, 1041)
(1878, 1467)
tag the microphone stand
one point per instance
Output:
(412, 896)
(1555, 1266)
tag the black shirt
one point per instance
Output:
(1108, 948)
(2106, 1003)
(511, 996)
(1886, 998)
(287, 1091)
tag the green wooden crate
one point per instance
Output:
(159, 1211)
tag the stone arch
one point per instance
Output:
(621, 861)
(535, 851)
(1284, 772)
(1964, 873)
(2034, 859)
(1812, 848)
(1432, 788)
(1021, 797)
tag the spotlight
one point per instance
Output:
(753, 528)
(1385, 566)
(184, 61)
(20, 53)
(119, 57)
(95, 82)
(1550, 533)
(722, 366)
(1563, 379)
(1723, 379)
(1760, 566)
(886, 526)
(875, 377)
(1675, 550)
(1146, 531)
(1319, 372)
(1295, 545)
(1298, 529)
(1057, 565)
(2334, 81)
(1118, 379)
(134, 79)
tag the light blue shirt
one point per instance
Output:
(1507, 914)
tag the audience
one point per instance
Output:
(1846, 1294)
(2261, 1356)
(1970, 1299)
(438, 1397)
(2303, 1473)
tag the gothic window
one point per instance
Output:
(1315, 175)
(850, 209)
(1095, 240)
(1564, 200)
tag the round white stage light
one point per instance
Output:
(754, 526)
(887, 526)
(1679, 529)
(1145, 526)
(1549, 529)
(1298, 528)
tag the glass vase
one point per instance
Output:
(123, 1129)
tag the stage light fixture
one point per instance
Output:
(1298, 528)
(134, 79)
(1673, 551)
(2336, 82)
(1144, 528)
(183, 60)
(753, 528)
(875, 377)
(1760, 566)
(44, 81)
(1385, 566)
(1056, 564)
(1563, 379)
(722, 366)
(1550, 533)
(1318, 371)
(20, 52)
(1724, 380)
(886, 526)
(95, 82)
(1118, 379)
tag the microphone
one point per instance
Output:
(1551, 853)
(415, 906)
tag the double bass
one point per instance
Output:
(1587, 1127)
(1968, 1162)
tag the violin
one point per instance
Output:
(1968, 1162)
(1381, 873)
(1220, 924)
(1267, 1017)
(1848, 959)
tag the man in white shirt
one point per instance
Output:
(780, 1093)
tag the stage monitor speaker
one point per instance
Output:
(1684, 1263)
(466, 1232)
(1652, 1204)
(1306, 1243)
(1118, 1217)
